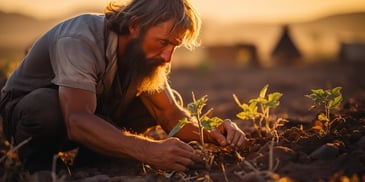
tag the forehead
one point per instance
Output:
(164, 31)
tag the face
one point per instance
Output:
(160, 42)
(146, 58)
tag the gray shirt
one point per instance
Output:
(77, 53)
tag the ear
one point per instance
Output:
(134, 27)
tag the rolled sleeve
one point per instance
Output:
(74, 64)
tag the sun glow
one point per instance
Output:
(233, 10)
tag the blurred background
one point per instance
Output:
(243, 31)
(292, 45)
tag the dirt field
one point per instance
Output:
(301, 154)
(220, 82)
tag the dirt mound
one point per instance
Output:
(300, 153)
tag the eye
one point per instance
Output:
(164, 43)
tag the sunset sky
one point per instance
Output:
(244, 10)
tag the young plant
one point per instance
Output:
(251, 110)
(329, 99)
(204, 122)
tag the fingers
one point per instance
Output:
(219, 137)
(235, 137)
(179, 167)
(174, 154)
(242, 141)
(230, 129)
(182, 163)
(179, 155)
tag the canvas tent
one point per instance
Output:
(285, 52)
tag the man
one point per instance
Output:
(94, 78)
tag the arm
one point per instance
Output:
(167, 112)
(83, 126)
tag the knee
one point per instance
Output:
(39, 113)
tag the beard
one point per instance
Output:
(149, 75)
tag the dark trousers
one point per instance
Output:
(38, 115)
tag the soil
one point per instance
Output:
(300, 153)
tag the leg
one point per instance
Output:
(38, 115)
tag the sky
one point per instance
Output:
(229, 10)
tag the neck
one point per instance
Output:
(122, 43)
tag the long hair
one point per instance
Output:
(148, 13)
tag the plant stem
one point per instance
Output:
(327, 110)
(260, 126)
(267, 124)
(13, 149)
(201, 133)
(255, 125)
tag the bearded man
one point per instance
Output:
(96, 80)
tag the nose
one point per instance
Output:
(166, 54)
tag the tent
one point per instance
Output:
(285, 51)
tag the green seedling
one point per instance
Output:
(329, 99)
(204, 122)
(259, 109)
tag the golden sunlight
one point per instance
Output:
(243, 10)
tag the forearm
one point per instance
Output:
(104, 138)
(190, 131)
(167, 113)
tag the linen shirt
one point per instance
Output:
(77, 53)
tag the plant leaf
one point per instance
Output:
(197, 106)
(178, 126)
(322, 117)
(258, 100)
(335, 102)
(336, 90)
(211, 123)
(252, 107)
(263, 91)
(242, 115)
(273, 99)
(318, 96)
(318, 91)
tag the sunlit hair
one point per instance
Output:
(148, 13)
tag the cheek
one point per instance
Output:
(151, 49)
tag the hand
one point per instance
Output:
(170, 154)
(228, 133)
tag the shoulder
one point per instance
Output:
(88, 20)
(80, 37)
(89, 27)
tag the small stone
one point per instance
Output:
(253, 177)
(98, 178)
(325, 152)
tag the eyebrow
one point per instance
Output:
(175, 42)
